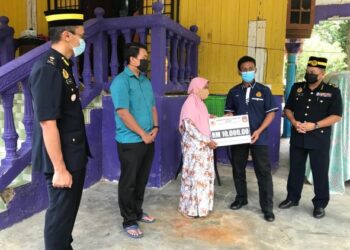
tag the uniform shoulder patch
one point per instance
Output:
(51, 60)
(332, 84)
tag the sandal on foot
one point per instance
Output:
(145, 220)
(134, 228)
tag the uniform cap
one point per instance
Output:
(64, 17)
(319, 62)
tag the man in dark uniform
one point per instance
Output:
(60, 149)
(256, 100)
(312, 108)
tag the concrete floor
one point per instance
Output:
(98, 225)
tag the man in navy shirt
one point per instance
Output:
(60, 148)
(312, 108)
(255, 100)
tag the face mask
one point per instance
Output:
(143, 65)
(80, 49)
(311, 78)
(203, 93)
(248, 76)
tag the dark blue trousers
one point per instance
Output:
(319, 161)
(62, 211)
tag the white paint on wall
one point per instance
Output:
(257, 47)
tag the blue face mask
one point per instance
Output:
(248, 76)
(80, 49)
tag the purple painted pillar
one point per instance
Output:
(194, 58)
(158, 55)
(182, 61)
(101, 54)
(114, 57)
(87, 66)
(188, 62)
(158, 51)
(28, 114)
(168, 49)
(127, 35)
(10, 135)
(174, 63)
(142, 33)
(7, 51)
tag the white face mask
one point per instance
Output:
(80, 48)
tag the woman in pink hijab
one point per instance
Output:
(197, 180)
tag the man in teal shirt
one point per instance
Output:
(136, 129)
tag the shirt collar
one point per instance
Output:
(128, 71)
(251, 85)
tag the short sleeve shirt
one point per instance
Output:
(255, 102)
(136, 95)
(312, 106)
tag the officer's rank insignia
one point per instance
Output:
(73, 97)
(65, 74)
(299, 90)
(69, 81)
(51, 60)
(258, 94)
(313, 63)
(65, 61)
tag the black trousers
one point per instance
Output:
(135, 163)
(319, 161)
(262, 167)
(62, 211)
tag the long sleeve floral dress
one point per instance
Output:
(197, 180)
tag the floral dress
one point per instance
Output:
(197, 180)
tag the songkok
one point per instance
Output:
(319, 62)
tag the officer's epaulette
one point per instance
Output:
(51, 60)
(300, 84)
(332, 84)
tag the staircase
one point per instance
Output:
(25, 176)
(174, 61)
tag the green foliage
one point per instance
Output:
(328, 39)
(334, 31)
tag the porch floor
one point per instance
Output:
(98, 224)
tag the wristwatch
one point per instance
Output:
(156, 127)
(317, 126)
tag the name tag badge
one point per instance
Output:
(325, 94)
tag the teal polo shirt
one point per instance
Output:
(135, 94)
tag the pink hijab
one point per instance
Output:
(194, 108)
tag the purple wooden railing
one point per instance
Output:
(169, 42)
(7, 50)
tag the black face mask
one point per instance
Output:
(311, 78)
(143, 65)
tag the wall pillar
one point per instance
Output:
(292, 46)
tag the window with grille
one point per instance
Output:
(171, 8)
(300, 18)
(64, 4)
